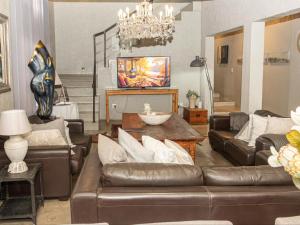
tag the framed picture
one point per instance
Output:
(4, 59)
(224, 54)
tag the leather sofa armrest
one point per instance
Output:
(219, 123)
(55, 162)
(76, 125)
(265, 141)
(84, 197)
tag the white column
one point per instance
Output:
(253, 64)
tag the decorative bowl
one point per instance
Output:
(155, 118)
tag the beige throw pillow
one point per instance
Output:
(162, 153)
(110, 151)
(259, 126)
(55, 124)
(182, 156)
(134, 149)
(277, 125)
(45, 138)
(245, 133)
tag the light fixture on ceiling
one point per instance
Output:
(142, 24)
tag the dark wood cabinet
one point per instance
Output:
(196, 116)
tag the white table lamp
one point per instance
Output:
(14, 123)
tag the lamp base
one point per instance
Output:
(17, 167)
(16, 149)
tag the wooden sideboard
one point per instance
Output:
(167, 91)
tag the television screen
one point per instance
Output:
(139, 72)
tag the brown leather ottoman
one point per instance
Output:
(261, 157)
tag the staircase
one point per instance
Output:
(80, 91)
(223, 106)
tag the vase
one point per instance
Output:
(192, 102)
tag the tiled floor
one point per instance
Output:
(58, 212)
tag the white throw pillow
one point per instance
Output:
(182, 156)
(245, 133)
(134, 149)
(277, 125)
(162, 153)
(55, 124)
(259, 126)
(45, 138)
(110, 151)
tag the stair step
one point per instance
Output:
(87, 107)
(80, 91)
(91, 126)
(221, 104)
(76, 77)
(77, 83)
(83, 99)
(87, 116)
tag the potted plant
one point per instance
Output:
(192, 96)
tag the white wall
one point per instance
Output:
(276, 84)
(294, 95)
(223, 15)
(228, 77)
(75, 23)
(6, 99)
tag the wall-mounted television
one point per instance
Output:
(143, 72)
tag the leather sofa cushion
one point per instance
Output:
(150, 174)
(240, 152)
(261, 157)
(245, 176)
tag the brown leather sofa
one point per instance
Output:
(221, 137)
(129, 193)
(58, 164)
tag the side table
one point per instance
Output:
(196, 116)
(25, 206)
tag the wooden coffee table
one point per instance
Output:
(175, 129)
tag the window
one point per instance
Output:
(4, 59)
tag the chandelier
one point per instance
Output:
(142, 24)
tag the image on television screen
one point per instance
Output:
(139, 72)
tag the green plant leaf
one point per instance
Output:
(294, 138)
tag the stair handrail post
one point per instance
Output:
(104, 52)
(94, 82)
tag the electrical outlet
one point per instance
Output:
(114, 106)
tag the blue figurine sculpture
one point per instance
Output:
(42, 84)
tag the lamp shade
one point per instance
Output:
(198, 62)
(14, 122)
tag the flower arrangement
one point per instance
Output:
(192, 96)
(289, 156)
(192, 93)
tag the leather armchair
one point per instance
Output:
(221, 137)
(56, 169)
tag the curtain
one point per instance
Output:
(29, 23)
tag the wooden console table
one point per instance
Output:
(114, 92)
